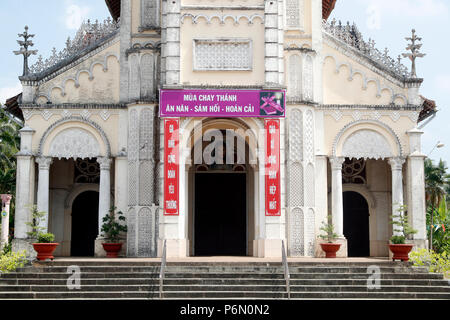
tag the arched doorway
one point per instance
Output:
(356, 224)
(84, 224)
(221, 220)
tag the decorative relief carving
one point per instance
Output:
(308, 81)
(133, 153)
(354, 171)
(310, 233)
(46, 114)
(87, 171)
(131, 233)
(146, 233)
(146, 183)
(223, 18)
(295, 78)
(104, 114)
(223, 54)
(366, 144)
(309, 136)
(294, 13)
(309, 186)
(350, 37)
(367, 79)
(296, 135)
(368, 114)
(296, 233)
(296, 197)
(74, 143)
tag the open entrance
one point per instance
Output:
(84, 224)
(220, 214)
(356, 224)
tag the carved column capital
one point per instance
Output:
(105, 163)
(396, 163)
(336, 163)
(44, 162)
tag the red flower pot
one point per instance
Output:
(330, 249)
(112, 249)
(45, 250)
(400, 251)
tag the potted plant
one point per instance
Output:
(45, 246)
(398, 245)
(44, 243)
(111, 229)
(329, 247)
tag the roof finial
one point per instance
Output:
(414, 48)
(24, 49)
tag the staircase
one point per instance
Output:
(222, 280)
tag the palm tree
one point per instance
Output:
(436, 181)
(9, 146)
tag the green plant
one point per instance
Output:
(111, 227)
(435, 262)
(401, 226)
(7, 248)
(328, 229)
(36, 218)
(45, 238)
(12, 260)
(440, 227)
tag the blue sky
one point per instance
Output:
(386, 21)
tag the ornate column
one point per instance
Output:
(43, 189)
(397, 186)
(104, 190)
(337, 207)
(416, 189)
(6, 199)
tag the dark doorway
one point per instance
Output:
(220, 214)
(84, 224)
(356, 224)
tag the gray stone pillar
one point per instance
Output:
(104, 202)
(170, 46)
(397, 188)
(271, 42)
(416, 189)
(6, 200)
(337, 206)
(43, 189)
(24, 191)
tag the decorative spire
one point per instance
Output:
(414, 48)
(24, 49)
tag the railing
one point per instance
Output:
(287, 276)
(162, 270)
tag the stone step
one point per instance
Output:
(224, 288)
(219, 281)
(222, 295)
(190, 275)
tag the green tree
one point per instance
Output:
(9, 146)
(436, 183)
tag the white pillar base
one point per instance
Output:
(24, 244)
(175, 248)
(267, 248)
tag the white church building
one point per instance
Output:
(137, 113)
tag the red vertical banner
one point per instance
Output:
(171, 166)
(273, 199)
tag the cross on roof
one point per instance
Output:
(414, 48)
(24, 44)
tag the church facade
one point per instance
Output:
(136, 113)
